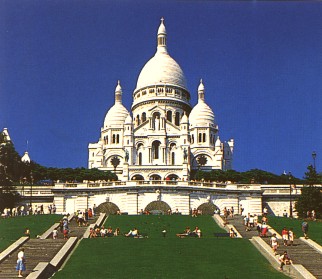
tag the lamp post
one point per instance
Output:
(314, 156)
(290, 180)
(31, 182)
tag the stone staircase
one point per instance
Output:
(39, 250)
(36, 250)
(300, 252)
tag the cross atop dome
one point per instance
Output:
(162, 37)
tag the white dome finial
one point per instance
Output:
(162, 37)
(201, 91)
(118, 93)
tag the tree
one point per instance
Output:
(10, 171)
(311, 196)
(310, 199)
(312, 177)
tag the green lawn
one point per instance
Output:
(166, 257)
(315, 227)
(11, 229)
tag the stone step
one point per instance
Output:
(300, 252)
(39, 250)
(36, 250)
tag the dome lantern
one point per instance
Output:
(118, 93)
(201, 91)
(162, 37)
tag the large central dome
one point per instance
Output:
(161, 68)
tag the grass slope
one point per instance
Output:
(11, 229)
(166, 257)
(315, 228)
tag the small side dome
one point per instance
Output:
(218, 142)
(25, 158)
(184, 119)
(128, 119)
(202, 114)
(117, 114)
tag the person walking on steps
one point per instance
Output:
(21, 262)
(305, 229)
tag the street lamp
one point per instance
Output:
(290, 180)
(314, 156)
(31, 182)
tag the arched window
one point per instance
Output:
(106, 139)
(169, 115)
(192, 138)
(140, 158)
(200, 137)
(177, 119)
(155, 149)
(138, 120)
(173, 156)
(143, 117)
(204, 137)
(117, 138)
(113, 138)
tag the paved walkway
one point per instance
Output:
(39, 250)
(300, 252)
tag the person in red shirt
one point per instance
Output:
(285, 236)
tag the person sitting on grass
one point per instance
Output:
(92, 233)
(133, 233)
(109, 232)
(232, 233)
(117, 232)
(27, 232)
(186, 232)
(284, 260)
(103, 231)
(196, 232)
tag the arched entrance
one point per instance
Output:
(137, 177)
(158, 206)
(155, 177)
(207, 208)
(172, 177)
(107, 207)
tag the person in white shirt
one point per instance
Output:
(274, 243)
(21, 262)
(55, 233)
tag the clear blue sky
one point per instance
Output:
(261, 63)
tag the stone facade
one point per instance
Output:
(163, 137)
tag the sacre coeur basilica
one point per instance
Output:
(164, 137)
(154, 148)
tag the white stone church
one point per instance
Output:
(163, 137)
